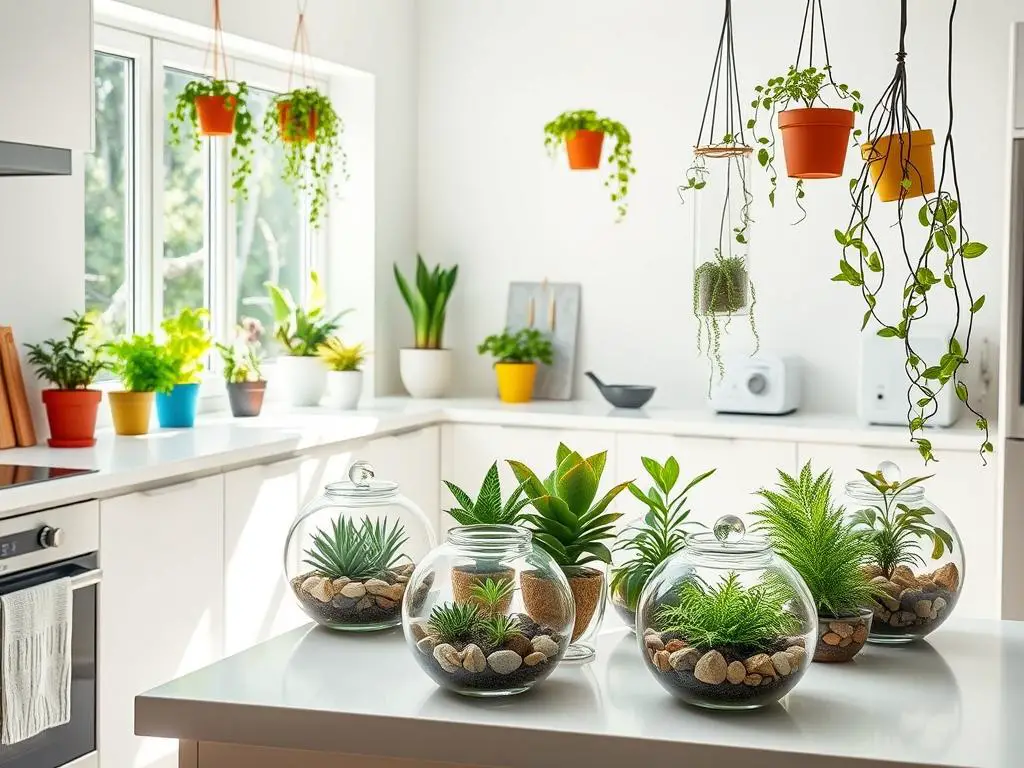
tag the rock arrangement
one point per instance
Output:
(725, 677)
(841, 639)
(912, 606)
(346, 603)
(520, 662)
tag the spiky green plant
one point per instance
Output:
(808, 530)
(894, 529)
(567, 524)
(499, 629)
(454, 622)
(491, 593)
(359, 552)
(487, 509)
(428, 301)
(662, 534)
(729, 614)
(384, 545)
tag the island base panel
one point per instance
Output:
(208, 754)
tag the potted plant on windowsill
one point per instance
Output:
(344, 372)
(145, 368)
(309, 130)
(242, 373)
(582, 132)
(300, 331)
(187, 342)
(426, 368)
(70, 365)
(516, 356)
(571, 527)
(809, 531)
(659, 535)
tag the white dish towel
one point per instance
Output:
(35, 686)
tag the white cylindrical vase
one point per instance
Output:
(426, 373)
(344, 389)
(301, 379)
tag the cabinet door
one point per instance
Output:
(260, 504)
(1019, 88)
(46, 64)
(961, 487)
(161, 611)
(741, 468)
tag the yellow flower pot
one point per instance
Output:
(131, 411)
(887, 156)
(515, 381)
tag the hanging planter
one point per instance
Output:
(583, 133)
(898, 167)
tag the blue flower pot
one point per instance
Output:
(178, 407)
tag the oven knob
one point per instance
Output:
(51, 537)
(757, 384)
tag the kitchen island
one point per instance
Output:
(316, 698)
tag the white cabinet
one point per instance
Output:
(1019, 78)
(961, 487)
(161, 609)
(46, 65)
(742, 467)
(260, 503)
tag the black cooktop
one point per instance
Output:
(12, 475)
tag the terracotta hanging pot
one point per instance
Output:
(887, 156)
(584, 150)
(815, 141)
(292, 132)
(216, 115)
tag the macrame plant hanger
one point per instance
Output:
(300, 48)
(217, 48)
(899, 168)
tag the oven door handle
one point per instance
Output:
(86, 579)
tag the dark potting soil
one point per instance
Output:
(628, 617)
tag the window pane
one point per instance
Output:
(108, 200)
(269, 226)
(185, 258)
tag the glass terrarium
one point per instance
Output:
(727, 623)
(350, 552)
(917, 559)
(488, 613)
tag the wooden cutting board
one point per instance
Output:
(7, 436)
(14, 383)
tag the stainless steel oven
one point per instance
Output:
(34, 549)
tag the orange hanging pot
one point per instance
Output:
(887, 157)
(815, 141)
(216, 114)
(293, 130)
(584, 150)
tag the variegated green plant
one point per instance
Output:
(487, 509)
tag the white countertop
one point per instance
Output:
(953, 702)
(219, 441)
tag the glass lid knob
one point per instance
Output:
(361, 473)
(890, 470)
(729, 529)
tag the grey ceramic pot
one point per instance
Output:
(246, 397)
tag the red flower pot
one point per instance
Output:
(216, 115)
(815, 141)
(584, 150)
(292, 132)
(72, 416)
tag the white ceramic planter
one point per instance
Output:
(344, 389)
(301, 379)
(425, 372)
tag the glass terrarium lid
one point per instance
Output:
(728, 537)
(362, 485)
(891, 473)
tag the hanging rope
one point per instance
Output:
(723, 96)
(300, 46)
(220, 56)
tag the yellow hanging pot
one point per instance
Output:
(887, 156)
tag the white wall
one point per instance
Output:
(491, 74)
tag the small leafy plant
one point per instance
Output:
(428, 301)
(567, 523)
(187, 342)
(527, 345)
(70, 363)
(490, 594)
(487, 509)
(499, 629)
(662, 534)
(243, 358)
(302, 330)
(338, 357)
(720, 290)
(797, 88)
(808, 530)
(894, 529)
(143, 365)
(454, 623)
(729, 614)
(236, 94)
(359, 552)
(566, 125)
(308, 162)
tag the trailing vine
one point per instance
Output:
(941, 262)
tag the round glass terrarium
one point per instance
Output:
(350, 552)
(917, 558)
(727, 623)
(488, 613)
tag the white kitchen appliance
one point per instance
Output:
(883, 381)
(762, 384)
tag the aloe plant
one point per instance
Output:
(428, 301)
(487, 509)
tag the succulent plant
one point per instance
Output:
(359, 552)
(487, 509)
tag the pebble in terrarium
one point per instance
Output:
(916, 558)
